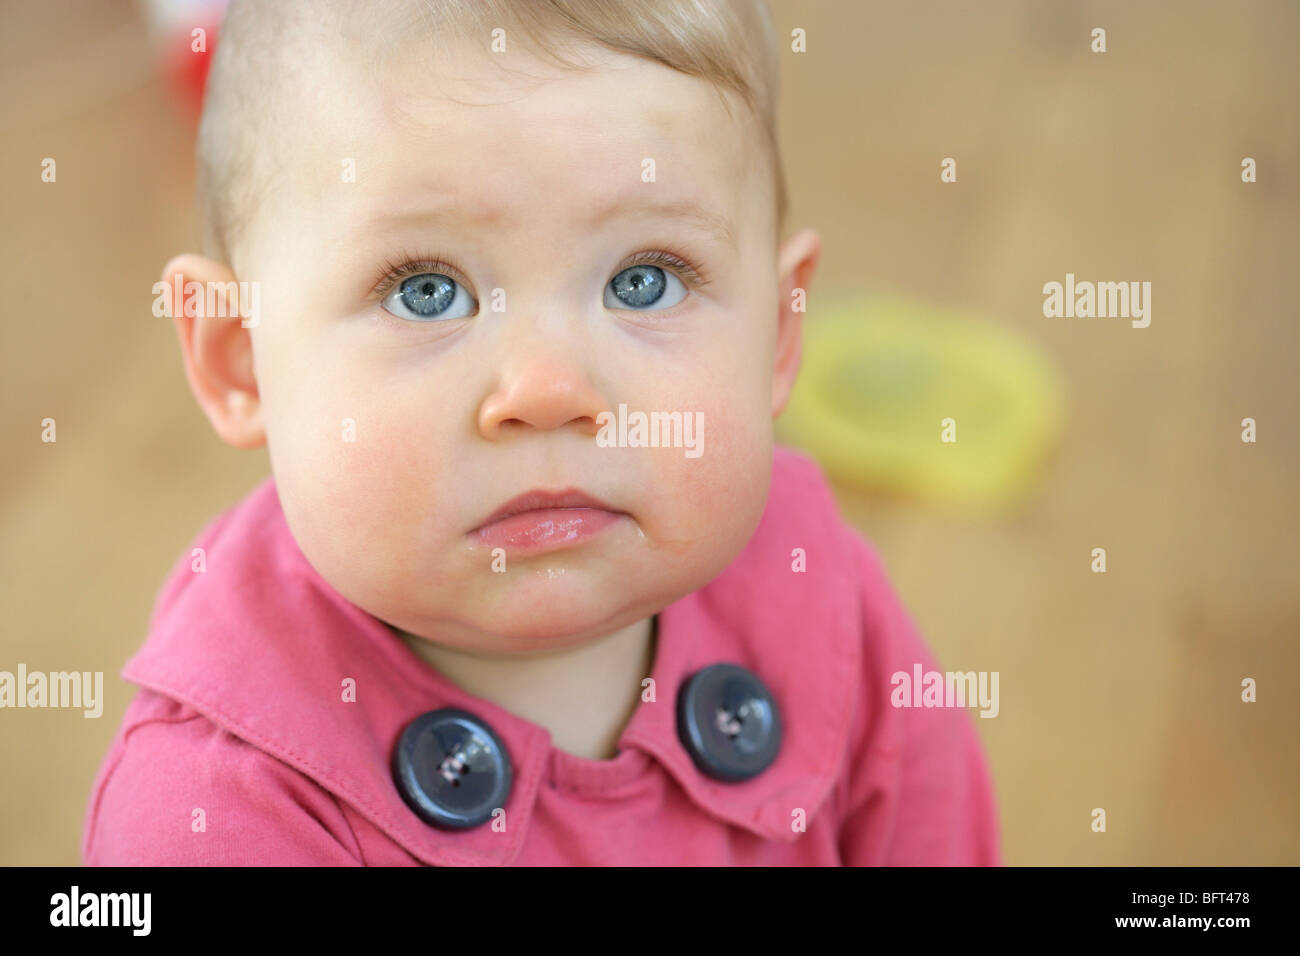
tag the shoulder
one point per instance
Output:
(918, 790)
(800, 491)
(802, 501)
(177, 790)
(803, 508)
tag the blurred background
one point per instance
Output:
(1119, 690)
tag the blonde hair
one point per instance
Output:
(730, 43)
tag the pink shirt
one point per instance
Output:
(240, 748)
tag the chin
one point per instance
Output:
(540, 609)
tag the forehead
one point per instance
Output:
(495, 143)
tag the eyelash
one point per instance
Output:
(394, 273)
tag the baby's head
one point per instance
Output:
(475, 227)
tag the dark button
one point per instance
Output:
(728, 722)
(452, 769)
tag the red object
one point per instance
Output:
(240, 714)
(187, 69)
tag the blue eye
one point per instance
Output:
(644, 287)
(430, 296)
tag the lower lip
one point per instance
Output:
(545, 529)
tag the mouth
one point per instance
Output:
(543, 520)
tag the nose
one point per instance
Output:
(543, 387)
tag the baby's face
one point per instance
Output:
(399, 421)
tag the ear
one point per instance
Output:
(797, 261)
(217, 349)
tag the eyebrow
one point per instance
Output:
(712, 224)
(701, 217)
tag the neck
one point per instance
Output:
(583, 695)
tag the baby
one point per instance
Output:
(530, 582)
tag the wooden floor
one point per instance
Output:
(1119, 691)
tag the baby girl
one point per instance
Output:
(530, 582)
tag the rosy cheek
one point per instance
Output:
(717, 489)
(346, 457)
(398, 470)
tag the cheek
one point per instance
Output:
(721, 485)
(708, 506)
(358, 467)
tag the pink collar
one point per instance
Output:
(261, 645)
